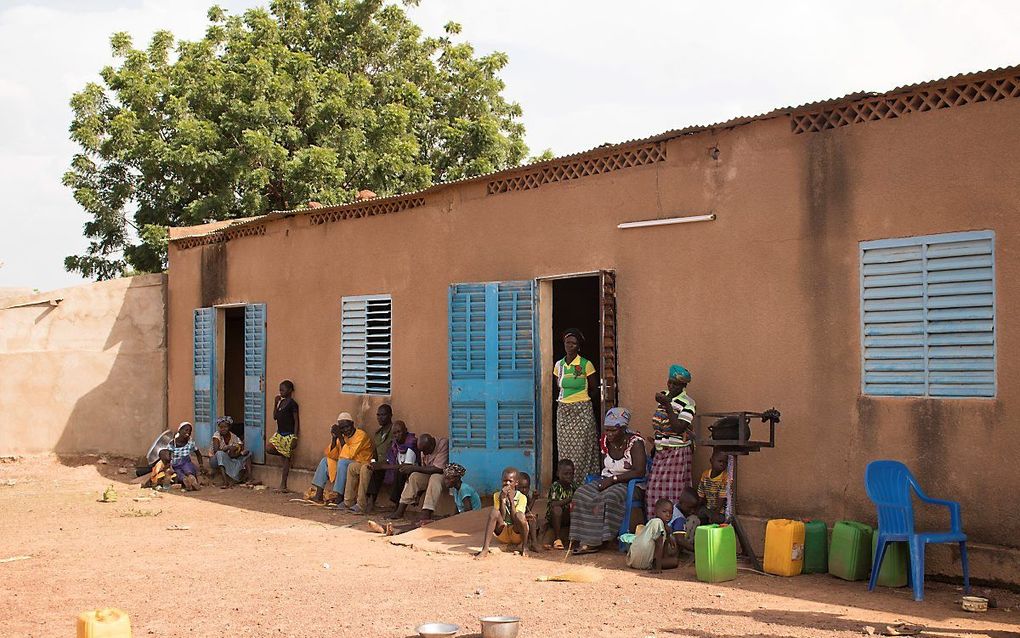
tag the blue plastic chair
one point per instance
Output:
(889, 484)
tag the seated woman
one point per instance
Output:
(182, 447)
(599, 507)
(228, 454)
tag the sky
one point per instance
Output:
(585, 73)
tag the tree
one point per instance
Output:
(305, 100)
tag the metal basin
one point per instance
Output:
(500, 626)
(437, 630)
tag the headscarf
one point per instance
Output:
(229, 420)
(574, 332)
(183, 423)
(617, 418)
(677, 371)
(454, 471)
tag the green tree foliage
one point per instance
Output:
(306, 100)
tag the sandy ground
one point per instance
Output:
(254, 564)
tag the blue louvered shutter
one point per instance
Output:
(467, 366)
(492, 379)
(366, 344)
(928, 315)
(203, 367)
(255, 381)
(515, 419)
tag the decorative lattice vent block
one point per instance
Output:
(889, 107)
(575, 169)
(204, 240)
(368, 209)
(220, 236)
(245, 231)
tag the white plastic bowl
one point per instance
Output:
(437, 630)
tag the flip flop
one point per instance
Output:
(583, 549)
(557, 544)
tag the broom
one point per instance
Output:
(583, 574)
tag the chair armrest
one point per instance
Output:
(952, 506)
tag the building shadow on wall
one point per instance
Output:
(124, 412)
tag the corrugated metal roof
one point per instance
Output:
(667, 135)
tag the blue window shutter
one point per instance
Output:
(204, 367)
(255, 381)
(928, 316)
(366, 344)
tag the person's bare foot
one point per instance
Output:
(389, 529)
(483, 554)
(535, 548)
(395, 517)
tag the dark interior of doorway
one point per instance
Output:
(233, 368)
(576, 305)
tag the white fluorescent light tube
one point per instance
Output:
(669, 220)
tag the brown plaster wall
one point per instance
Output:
(761, 304)
(87, 374)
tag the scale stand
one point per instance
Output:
(731, 515)
(734, 448)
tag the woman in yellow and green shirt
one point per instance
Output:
(576, 430)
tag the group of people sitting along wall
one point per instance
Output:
(586, 502)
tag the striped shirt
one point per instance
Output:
(684, 408)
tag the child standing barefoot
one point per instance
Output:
(561, 492)
(507, 521)
(288, 422)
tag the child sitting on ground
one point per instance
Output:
(524, 486)
(465, 496)
(712, 487)
(561, 492)
(655, 547)
(507, 522)
(162, 475)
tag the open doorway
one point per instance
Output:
(233, 368)
(576, 304)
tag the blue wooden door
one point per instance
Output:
(255, 381)
(204, 367)
(492, 379)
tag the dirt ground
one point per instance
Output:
(254, 564)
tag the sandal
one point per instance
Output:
(557, 544)
(585, 549)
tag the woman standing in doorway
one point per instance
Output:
(674, 439)
(576, 431)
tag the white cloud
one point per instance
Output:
(585, 73)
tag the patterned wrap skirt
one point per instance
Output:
(671, 473)
(596, 516)
(576, 436)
